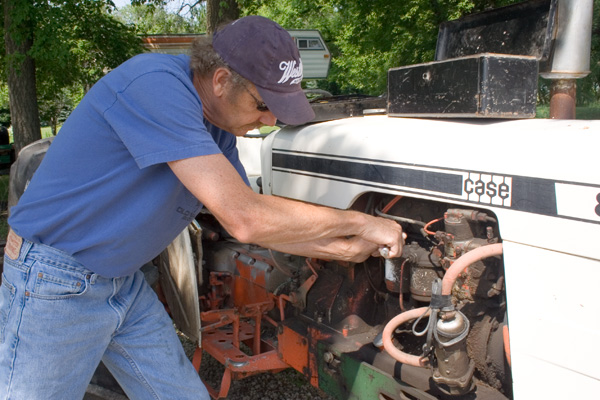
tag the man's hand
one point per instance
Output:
(354, 248)
(387, 234)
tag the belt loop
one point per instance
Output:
(27, 245)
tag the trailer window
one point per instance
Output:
(310, 44)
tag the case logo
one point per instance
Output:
(488, 189)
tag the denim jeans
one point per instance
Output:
(58, 320)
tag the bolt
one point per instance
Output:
(384, 251)
(345, 330)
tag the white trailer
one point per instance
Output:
(314, 53)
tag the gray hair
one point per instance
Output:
(205, 60)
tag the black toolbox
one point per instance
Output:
(486, 65)
(483, 85)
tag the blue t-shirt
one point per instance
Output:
(103, 192)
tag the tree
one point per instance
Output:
(219, 12)
(4, 110)
(20, 70)
(147, 19)
(55, 109)
(53, 46)
(588, 88)
(368, 38)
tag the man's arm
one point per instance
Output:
(271, 221)
(343, 249)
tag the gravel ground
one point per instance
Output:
(286, 385)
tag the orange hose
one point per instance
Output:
(431, 223)
(389, 329)
(400, 298)
(464, 261)
(506, 343)
(449, 278)
(391, 204)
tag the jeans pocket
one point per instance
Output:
(56, 283)
(7, 296)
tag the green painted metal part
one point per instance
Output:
(351, 379)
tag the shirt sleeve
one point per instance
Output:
(158, 117)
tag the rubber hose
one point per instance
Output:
(449, 278)
(389, 329)
(464, 261)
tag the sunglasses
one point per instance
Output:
(260, 105)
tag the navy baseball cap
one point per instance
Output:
(264, 53)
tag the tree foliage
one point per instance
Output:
(69, 43)
(213, 12)
(150, 19)
(4, 109)
(369, 37)
(78, 40)
(588, 89)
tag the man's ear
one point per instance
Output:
(220, 81)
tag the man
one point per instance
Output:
(148, 146)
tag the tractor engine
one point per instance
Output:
(501, 212)
(329, 319)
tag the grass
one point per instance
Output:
(587, 112)
(47, 132)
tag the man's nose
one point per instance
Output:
(267, 118)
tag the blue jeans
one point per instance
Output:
(58, 320)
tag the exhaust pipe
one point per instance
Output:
(570, 58)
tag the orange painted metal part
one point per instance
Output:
(222, 342)
(236, 306)
(298, 297)
(314, 336)
(225, 330)
(220, 284)
(294, 348)
(249, 286)
(300, 350)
